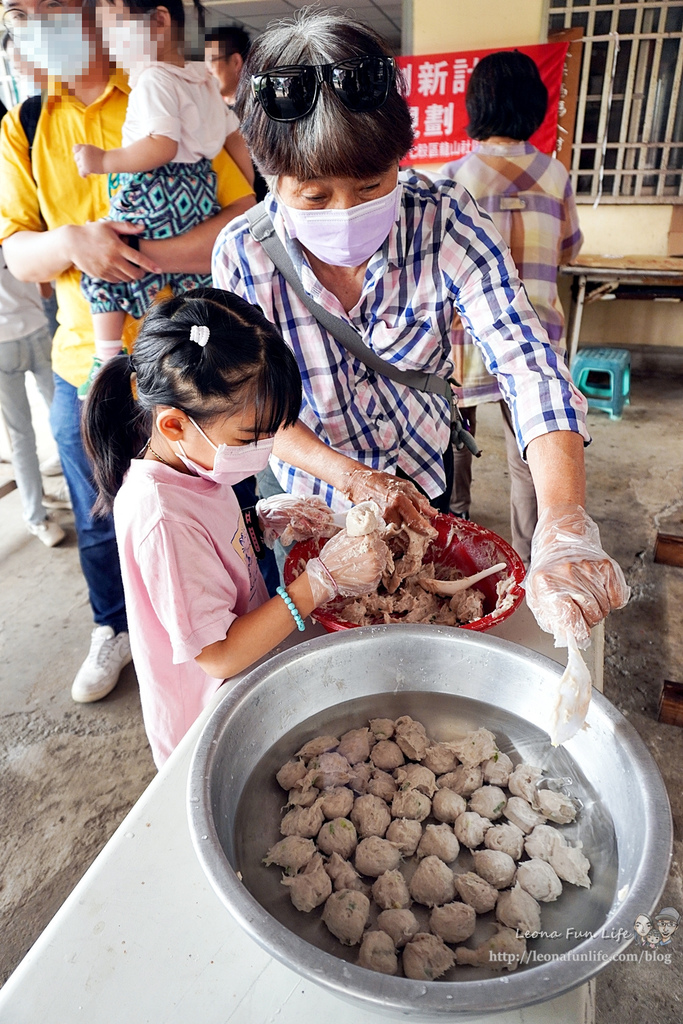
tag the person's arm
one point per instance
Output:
(144, 155)
(399, 499)
(96, 248)
(256, 633)
(236, 148)
(572, 582)
(191, 253)
(572, 236)
(347, 566)
(556, 461)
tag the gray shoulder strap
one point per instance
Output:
(263, 231)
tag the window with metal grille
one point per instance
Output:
(628, 142)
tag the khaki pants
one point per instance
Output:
(523, 508)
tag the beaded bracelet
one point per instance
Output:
(300, 624)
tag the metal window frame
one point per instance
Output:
(641, 173)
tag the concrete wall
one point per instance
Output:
(443, 25)
(435, 26)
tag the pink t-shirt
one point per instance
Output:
(189, 571)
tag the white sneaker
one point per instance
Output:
(99, 673)
(51, 467)
(48, 532)
(59, 497)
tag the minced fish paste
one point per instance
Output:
(434, 835)
(338, 836)
(346, 913)
(378, 953)
(401, 925)
(426, 957)
(390, 891)
(374, 856)
(432, 883)
(337, 802)
(371, 816)
(505, 941)
(310, 888)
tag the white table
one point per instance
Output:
(143, 939)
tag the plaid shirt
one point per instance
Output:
(442, 256)
(529, 198)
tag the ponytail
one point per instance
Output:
(244, 360)
(114, 429)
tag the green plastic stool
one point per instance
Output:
(616, 363)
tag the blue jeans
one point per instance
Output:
(96, 538)
(17, 358)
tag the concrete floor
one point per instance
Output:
(70, 772)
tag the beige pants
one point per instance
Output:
(523, 509)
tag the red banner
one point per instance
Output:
(435, 90)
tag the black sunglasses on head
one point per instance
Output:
(289, 93)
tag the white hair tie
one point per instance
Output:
(200, 334)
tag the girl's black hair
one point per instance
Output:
(174, 7)
(245, 360)
(505, 96)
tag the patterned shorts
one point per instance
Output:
(169, 201)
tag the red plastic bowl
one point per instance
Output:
(467, 546)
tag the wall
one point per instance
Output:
(435, 26)
(443, 25)
(625, 230)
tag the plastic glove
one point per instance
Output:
(347, 567)
(291, 519)
(573, 697)
(572, 583)
(399, 500)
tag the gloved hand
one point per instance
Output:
(291, 519)
(399, 500)
(347, 567)
(572, 583)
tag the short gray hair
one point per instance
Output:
(331, 141)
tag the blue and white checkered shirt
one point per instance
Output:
(442, 256)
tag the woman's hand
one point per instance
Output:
(572, 583)
(399, 500)
(291, 519)
(347, 567)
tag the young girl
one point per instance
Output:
(176, 123)
(169, 430)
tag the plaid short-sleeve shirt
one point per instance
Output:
(442, 257)
(528, 196)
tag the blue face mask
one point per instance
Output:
(57, 45)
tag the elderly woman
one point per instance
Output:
(323, 115)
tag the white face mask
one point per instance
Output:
(345, 238)
(232, 462)
(130, 44)
(58, 45)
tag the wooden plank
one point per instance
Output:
(569, 92)
(635, 262)
(7, 488)
(669, 549)
(671, 703)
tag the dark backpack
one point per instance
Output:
(29, 114)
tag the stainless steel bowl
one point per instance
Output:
(452, 681)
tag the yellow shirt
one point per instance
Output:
(57, 195)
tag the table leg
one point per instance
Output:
(576, 317)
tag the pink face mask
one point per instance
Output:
(345, 238)
(232, 462)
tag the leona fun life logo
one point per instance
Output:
(657, 932)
